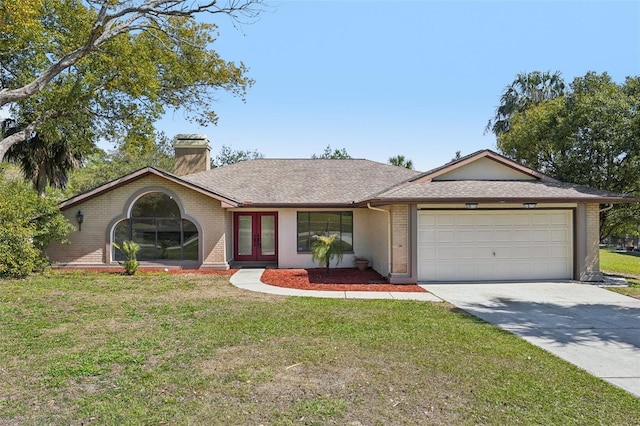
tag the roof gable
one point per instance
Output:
(483, 165)
(139, 174)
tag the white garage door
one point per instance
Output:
(494, 245)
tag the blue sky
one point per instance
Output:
(416, 78)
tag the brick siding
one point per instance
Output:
(399, 239)
(91, 245)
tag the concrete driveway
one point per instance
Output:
(593, 328)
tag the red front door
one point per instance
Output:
(256, 236)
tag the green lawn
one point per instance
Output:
(625, 265)
(88, 348)
(620, 263)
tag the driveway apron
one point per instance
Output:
(593, 328)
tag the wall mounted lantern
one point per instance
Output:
(79, 219)
(529, 205)
(471, 206)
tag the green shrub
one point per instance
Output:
(325, 248)
(29, 224)
(129, 248)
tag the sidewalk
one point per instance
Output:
(249, 279)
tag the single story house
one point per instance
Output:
(482, 217)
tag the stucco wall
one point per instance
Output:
(288, 256)
(374, 235)
(91, 246)
(370, 237)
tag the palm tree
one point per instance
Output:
(42, 162)
(526, 90)
(400, 161)
(325, 248)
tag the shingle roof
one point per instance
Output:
(496, 191)
(302, 181)
(139, 174)
(328, 183)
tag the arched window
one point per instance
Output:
(156, 225)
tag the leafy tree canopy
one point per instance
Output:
(526, 90)
(227, 156)
(112, 66)
(588, 137)
(102, 167)
(401, 161)
(336, 154)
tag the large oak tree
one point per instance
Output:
(588, 136)
(116, 65)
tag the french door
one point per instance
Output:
(256, 236)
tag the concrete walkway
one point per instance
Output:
(249, 279)
(593, 328)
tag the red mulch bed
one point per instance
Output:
(340, 279)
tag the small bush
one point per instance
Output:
(29, 224)
(129, 248)
(325, 248)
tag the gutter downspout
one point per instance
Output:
(390, 245)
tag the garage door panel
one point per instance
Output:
(466, 253)
(484, 236)
(445, 220)
(522, 220)
(521, 252)
(484, 252)
(426, 220)
(502, 220)
(484, 219)
(521, 235)
(559, 219)
(540, 252)
(496, 245)
(503, 236)
(560, 252)
(541, 220)
(426, 254)
(559, 236)
(465, 236)
(540, 235)
(444, 237)
(446, 253)
(464, 220)
(427, 236)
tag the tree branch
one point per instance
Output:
(108, 26)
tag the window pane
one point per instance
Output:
(268, 235)
(245, 235)
(303, 231)
(190, 238)
(155, 204)
(156, 226)
(323, 223)
(169, 239)
(121, 233)
(144, 233)
(347, 230)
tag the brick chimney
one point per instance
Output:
(193, 154)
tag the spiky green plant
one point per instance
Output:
(129, 248)
(325, 248)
